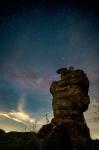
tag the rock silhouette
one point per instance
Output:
(70, 100)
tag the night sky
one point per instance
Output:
(36, 38)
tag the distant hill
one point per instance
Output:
(17, 140)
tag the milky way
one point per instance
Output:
(36, 38)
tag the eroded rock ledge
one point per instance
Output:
(70, 101)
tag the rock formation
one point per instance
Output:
(70, 100)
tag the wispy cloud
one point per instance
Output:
(26, 78)
(21, 103)
(21, 116)
(17, 116)
(25, 119)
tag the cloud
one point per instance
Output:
(91, 120)
(21, 103)
(21, 116)
(26, 78)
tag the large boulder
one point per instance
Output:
(70, 100)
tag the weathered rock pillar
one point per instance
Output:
(70, 100)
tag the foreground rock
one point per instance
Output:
(70, 100)
(52, 137)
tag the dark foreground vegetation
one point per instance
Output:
(30, 141)
(17, 140)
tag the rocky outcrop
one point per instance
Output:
(53, 137)
(70, 100)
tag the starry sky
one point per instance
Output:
(36, 38)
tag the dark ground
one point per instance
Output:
(29, 141)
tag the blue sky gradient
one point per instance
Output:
(36, 40)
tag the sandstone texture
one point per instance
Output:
(70, 100)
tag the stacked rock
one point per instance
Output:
(70, 100)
